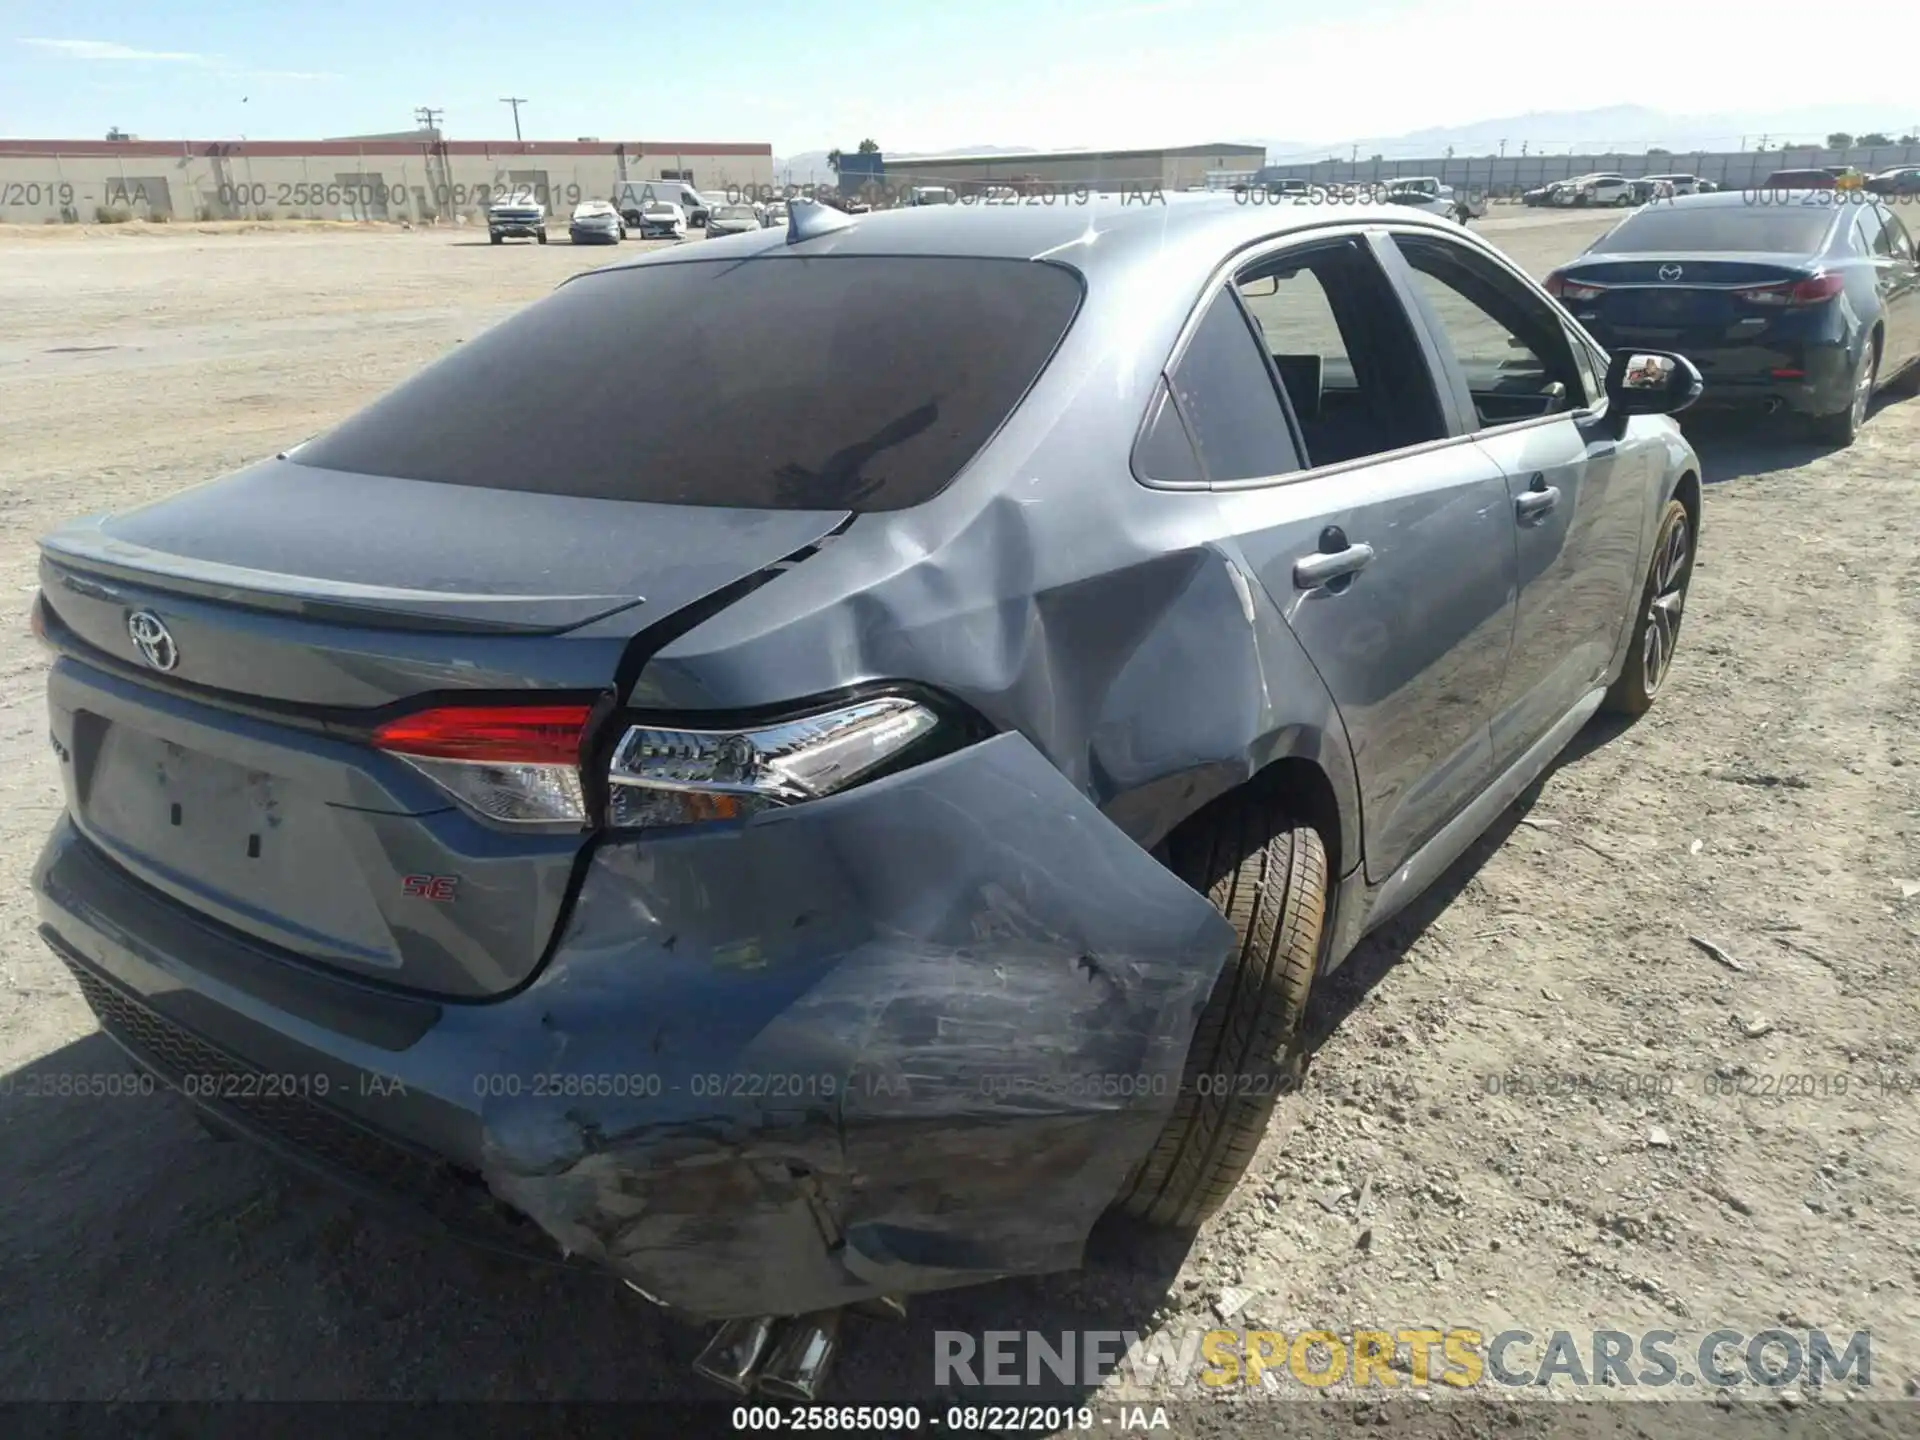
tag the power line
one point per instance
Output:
(516, 101)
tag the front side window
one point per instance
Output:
(1508, 342)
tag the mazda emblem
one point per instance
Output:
(1670, 272)
(153, 640)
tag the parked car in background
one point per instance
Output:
(932, 195)
(776, 213)
(679, 883)
(1847, 177)
(519, 214)
(662, 220)
(1661, 187)
(595, 222)
(1606, 188)
(736, 218)
(1547, 194)
(1900, 181)
(1804, 308)
(631, 198)
(1801, 180)
(1429, 193)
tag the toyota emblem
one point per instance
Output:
(1670, 272)
(153, 640)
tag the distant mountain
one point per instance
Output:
(1613, 129)
(1627, 129)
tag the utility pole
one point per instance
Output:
(516, 101)
(439, 197)
(1503, 149)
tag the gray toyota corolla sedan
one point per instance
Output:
(801, 824)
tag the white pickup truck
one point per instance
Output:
(1426, 192)
(518, 212)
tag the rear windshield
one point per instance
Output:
(1760, 228)
(856, 382)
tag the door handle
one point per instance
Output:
(1537, 500)
(1310, 572)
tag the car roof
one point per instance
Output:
(1107, 234)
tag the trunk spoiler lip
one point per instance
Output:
(80, 552)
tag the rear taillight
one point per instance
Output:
(1561, 288)
(517, 764)
(1814, 290)
(666, 775)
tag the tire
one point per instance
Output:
(1663, 603)
(1842, 426)
(541, 236)
(1267, 873)
(494, 239)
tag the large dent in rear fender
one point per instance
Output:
(906, 1038)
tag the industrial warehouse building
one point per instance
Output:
(1170, 168)
(415, 176)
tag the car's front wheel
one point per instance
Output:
(1656, 628)
(1267, 873)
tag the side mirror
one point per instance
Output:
(1651, 382)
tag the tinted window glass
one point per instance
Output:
(1793, 230)
(1873, 235)
(1345, 352)
(1508, 342)
(1228, 401)
(860, 382)
(1897, 236)
(1164, 451)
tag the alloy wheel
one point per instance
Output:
(1863, 388)
(1668, 602)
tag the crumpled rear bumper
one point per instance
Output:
(907, 1038)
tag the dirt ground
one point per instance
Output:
(1511, 1119)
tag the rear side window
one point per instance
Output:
(856, 382)
(1794, 230)
(1226, 394)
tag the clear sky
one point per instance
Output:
(809, 74)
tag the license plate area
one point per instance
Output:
(248, 846)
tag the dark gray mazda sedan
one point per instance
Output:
(799, 824)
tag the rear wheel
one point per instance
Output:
(1267, 873)
(1840, 427)
(1663, 603)
(541, 236)
(494, 239)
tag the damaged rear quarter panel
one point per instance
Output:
(919, 1041)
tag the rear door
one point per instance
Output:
(1897, 278)
(1386, 545)
(1577, 504)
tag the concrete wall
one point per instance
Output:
(1733, 170)
(47, 181)
(1118, 170)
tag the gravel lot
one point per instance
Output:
(1770, 804)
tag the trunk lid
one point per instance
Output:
(302, 606)
(1683, 299)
